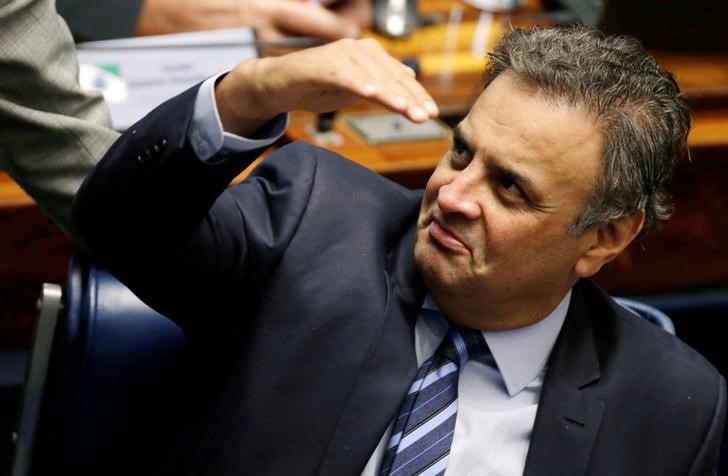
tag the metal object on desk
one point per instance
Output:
(496, 5)
(395, 18)
(388, 128)
(323, 134)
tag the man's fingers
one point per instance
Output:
(332, 76)
(395, 84)
(406, 81)
(312, 19)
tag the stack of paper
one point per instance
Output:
(137, 74)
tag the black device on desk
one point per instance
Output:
(698, 25)
(395, 18)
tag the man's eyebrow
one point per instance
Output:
(459, 138)
(528, 185)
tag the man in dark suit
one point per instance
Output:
(315, 289)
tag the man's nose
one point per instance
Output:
(458, 196)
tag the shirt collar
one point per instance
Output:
(521, 354)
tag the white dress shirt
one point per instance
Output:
(496, 406)
(206, 134)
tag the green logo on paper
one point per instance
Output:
(111, 68)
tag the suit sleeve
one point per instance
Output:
(166, 224)
(707, 458)
(53, 132)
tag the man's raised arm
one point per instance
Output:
(153, 205)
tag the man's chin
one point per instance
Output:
(434, 266)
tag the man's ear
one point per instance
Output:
(608, 241)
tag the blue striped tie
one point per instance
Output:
(423, 429)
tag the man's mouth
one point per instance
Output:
(446, 238)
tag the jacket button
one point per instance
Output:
(160, 146)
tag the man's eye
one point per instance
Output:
(460, 148)
(459, 155)
(510, 186)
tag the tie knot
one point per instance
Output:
(461, 345)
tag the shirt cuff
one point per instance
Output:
(206, 134)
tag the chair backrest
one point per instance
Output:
(648, 312)
(112, 382)
(49, 307)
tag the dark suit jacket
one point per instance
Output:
(300, 287)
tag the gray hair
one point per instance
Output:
(638, 106)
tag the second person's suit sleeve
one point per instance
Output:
(53, 133)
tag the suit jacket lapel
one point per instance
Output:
(568, 418)
(385, 374)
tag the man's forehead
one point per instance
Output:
(524, 111)
(517, 127)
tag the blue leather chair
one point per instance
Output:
(112, 384)
(648, 312)
(112, 370)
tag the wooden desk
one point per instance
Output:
(703, 78)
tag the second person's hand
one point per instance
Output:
(272, 19)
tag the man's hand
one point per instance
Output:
(319, 79)
(272, 19)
